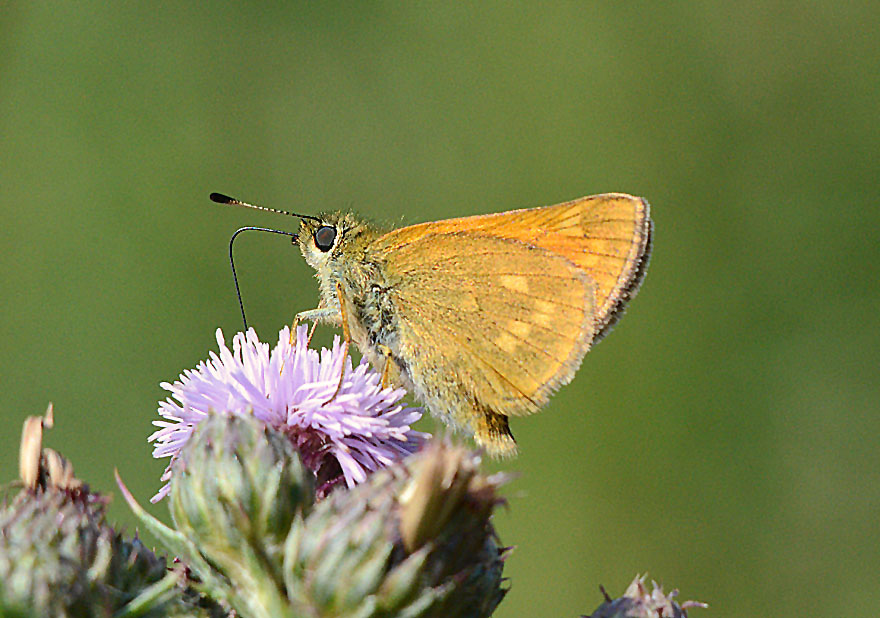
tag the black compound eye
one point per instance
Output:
(324, 237)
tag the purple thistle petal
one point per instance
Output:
(291, 388)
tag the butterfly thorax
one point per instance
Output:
(351, 269)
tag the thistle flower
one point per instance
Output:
(291, 388)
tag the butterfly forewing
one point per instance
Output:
(605, 235)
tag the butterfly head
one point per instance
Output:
(332, 237)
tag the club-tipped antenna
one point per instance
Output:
(231, 201)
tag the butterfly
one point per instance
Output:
(482, 318)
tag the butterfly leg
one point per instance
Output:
(326, 314)
(346, 338)
(314, 325)
(311, 334)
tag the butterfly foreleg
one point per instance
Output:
(320, 314)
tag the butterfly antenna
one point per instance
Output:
(232, 260)
(231, 201)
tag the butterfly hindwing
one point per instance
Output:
(508, 322)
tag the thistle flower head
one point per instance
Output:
(291, 388)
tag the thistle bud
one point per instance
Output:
(236, 488)
(414, 539)
(58, 555)
(637, 602)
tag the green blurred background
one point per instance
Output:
(723, 438)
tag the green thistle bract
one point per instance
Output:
(235, 491)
